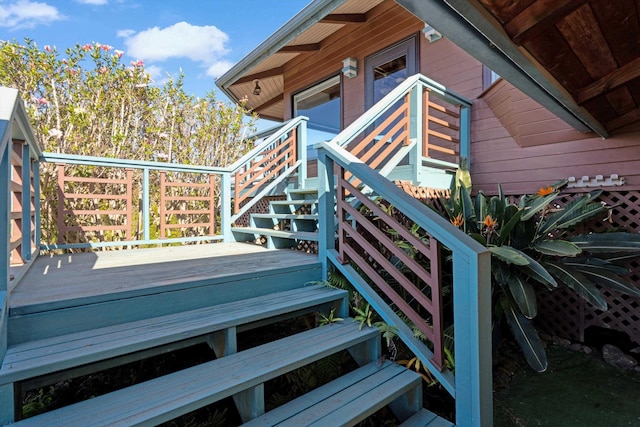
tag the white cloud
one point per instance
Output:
(27, 14)
(94, 2)
(205, 45)
(155, 72)
(125, 33)
(219, 68)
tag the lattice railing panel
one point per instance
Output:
(563, 313)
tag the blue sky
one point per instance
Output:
(201, 37)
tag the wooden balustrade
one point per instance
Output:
(379, 144)
(441, 129)
(265, 166)
(89, 207)
(188, 202)
(22, 214)
(411, 282)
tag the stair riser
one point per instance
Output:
(159, 301)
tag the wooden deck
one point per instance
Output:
(56, 281)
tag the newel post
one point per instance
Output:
(416, 118)
(465, 133)
(472, 323)
(301, 139)
(326, 204)
(225, 207)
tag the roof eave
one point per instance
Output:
(471, 28)
(302, 21)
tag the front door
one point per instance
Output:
(388, 68)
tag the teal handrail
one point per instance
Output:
(471, 384)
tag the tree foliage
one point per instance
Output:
(86, 101)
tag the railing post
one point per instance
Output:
(37, 219)
(5, 216)
(416, 119)
(146, 221)
(465, 134)
(326, 215)
(26, 204)
(225, 208)
(302, 152)
(472, 323)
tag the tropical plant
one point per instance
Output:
(532, 243)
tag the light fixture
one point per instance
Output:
(430, 33)
(257, 90)
(350, 67)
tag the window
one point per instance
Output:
(387, 69)
(321, 104)
(488, 77)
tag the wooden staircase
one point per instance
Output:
(288, 222)
(40, 359)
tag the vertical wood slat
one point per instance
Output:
(162, 208)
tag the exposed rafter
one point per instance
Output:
(538, 17)
(616, 78)
(625, 119)
(311, 47)
(344, 18)
(261, 75)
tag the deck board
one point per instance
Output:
(58, 278)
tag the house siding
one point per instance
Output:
(515, 141)
(522, 146)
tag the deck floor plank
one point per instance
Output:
(71, 276)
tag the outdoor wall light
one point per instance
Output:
(257, 90)
(350, 67)
(430, 33)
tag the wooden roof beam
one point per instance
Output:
(622, 75)
(261, 75)
(626, 119)
(299, 48)
(344, 18)
(538, 17)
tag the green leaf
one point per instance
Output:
(575, 212)
(536, 271)
(523, 295)
(557, 248)
(592, 262)
(509, 255)
(608, 242)
(610, 280)
(537, 204)
(496, 209)
(481, 207)
(526, 336)
(506, 229)
(579, 283)
(467, 204)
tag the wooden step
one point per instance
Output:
(424, 418)
(31, 359)
(165, 398)
(350, 398)
(295, 235)
(297, 202)
(303, 191)
(286, 216)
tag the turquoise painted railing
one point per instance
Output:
(419, 123)
(384, 282)
(19, 201)
(257, 173)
